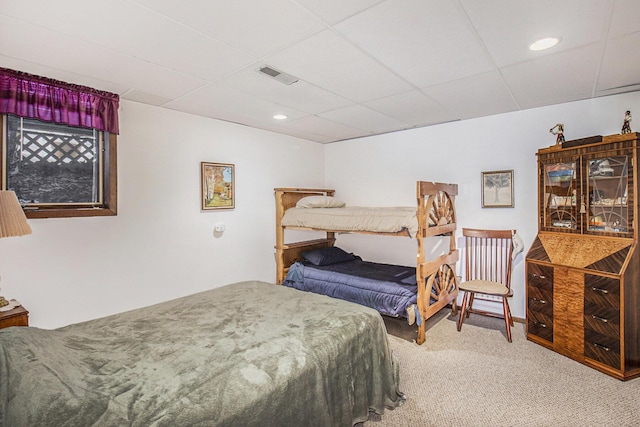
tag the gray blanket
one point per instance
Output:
(247, 354)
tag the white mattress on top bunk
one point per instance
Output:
(376, 220)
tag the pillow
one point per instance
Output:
(320, 202)
(327, 256)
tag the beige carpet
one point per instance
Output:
(476, 378)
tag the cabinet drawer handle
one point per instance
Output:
(602, 319)
(542, 325)
(541, 301)
(539, 276)
(603, 347)
(602, 291)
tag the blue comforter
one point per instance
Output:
(389, 289)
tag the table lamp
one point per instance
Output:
(13, 221)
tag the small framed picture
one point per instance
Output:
(497, 189)
(218, 185)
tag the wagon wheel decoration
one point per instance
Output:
(444, 280)
(442, 210)
(441, 282)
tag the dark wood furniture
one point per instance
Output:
(583, 268)
(18, 316)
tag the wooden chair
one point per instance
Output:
(487, 261)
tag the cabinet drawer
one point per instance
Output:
(540, 325)
(601, 291)
(602, 348)
(540, 276)
(604, 320)
(540, 300)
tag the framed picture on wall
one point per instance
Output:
(497, 189)
(218, 185)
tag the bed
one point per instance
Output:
(318, 210)
(224, 357)
(389, 289)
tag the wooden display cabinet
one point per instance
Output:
(583, 268)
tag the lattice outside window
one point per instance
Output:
(58, 170)
(53, 164)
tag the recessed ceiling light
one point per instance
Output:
(279, 116)
(545, 43)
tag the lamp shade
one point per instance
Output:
(13, 221)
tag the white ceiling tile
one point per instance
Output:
(623, 89)
(215, 99)
(555, 78)
(411, 38)
(334, 11)
(413, 108)
(300, 95)
(621, 63)
(144, 98)
(482, 94)
(58, 74)
(329, 61)
(326, 127)
(366, 66)
(255, 27)
(625, 19)
(142, 34)
(507, 28)
(301, 132)
(69, 53)
(304, 134)
(364, 118)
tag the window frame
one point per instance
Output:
(109, 206)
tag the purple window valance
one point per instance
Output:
(49, 100)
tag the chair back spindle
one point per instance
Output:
(488, 255)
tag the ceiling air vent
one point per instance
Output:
(277, 75)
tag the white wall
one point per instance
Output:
(382, 170)
(160, 245)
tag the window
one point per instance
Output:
(58, 146)
(58, 170)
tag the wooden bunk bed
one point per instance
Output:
(435, 216)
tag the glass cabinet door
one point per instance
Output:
(607, 190)
(561, 195)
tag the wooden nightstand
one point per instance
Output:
(19, 316)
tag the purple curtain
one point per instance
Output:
(35, 97)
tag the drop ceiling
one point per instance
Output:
(363, 67)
